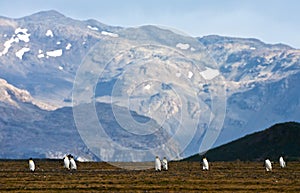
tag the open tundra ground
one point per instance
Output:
(181, 177)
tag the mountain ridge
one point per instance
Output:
(208, 39)
(278, 140)
(260, 79)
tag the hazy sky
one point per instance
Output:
(272, 21)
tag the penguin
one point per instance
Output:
(31, 165)
(205, 165)
(73, 165)
(268, 165)
(66, 162)
(157, 164)
(165, 164)
(282, 162)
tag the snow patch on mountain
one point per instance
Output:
(21, 52)
(190, 74)
(92, 28)
(8, 44)
(68, 46)
(41, 54)
(147, 87)
(22, 34)
(209, 73)
(49, 33)
(183, 46)
(106, 33)
(54, 53)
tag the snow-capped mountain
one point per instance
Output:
(261, 81)
(188, 86)
(44, 50)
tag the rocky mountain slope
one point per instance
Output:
(278, 140)
(26, 130)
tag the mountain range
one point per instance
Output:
(204, 91)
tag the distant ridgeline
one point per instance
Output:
(280, 139)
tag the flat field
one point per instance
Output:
(50, 176)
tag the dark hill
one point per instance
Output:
(280, 139)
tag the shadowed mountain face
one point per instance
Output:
(29, 131)
(278, 140)
(173, 80)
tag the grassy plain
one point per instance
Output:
(50, 176)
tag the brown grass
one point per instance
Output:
(50, 176)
